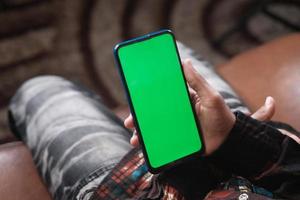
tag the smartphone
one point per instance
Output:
(157, 92)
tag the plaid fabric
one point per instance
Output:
(131, 179)
(274, 164)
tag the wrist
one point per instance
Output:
(214, 141)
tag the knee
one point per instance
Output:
(35, 85)
(39, 81)
(28, 91)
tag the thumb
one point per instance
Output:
(266, 111)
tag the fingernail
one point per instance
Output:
(269, 101)
(188, 61)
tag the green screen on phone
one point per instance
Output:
(159, 98)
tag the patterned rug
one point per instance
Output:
(74, 38)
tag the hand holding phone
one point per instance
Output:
(160, 104)
(214, 115)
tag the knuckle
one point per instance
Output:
(216, 99)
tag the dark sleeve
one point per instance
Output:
(260, 152)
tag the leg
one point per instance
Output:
(75, 141)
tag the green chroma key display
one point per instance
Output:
(157, 92)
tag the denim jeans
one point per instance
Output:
(74, 139)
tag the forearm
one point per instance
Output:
(251, 147)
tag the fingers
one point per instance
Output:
(134, 141)
(196, 81)
(193, 95)
(128, 122)
(266, 111)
